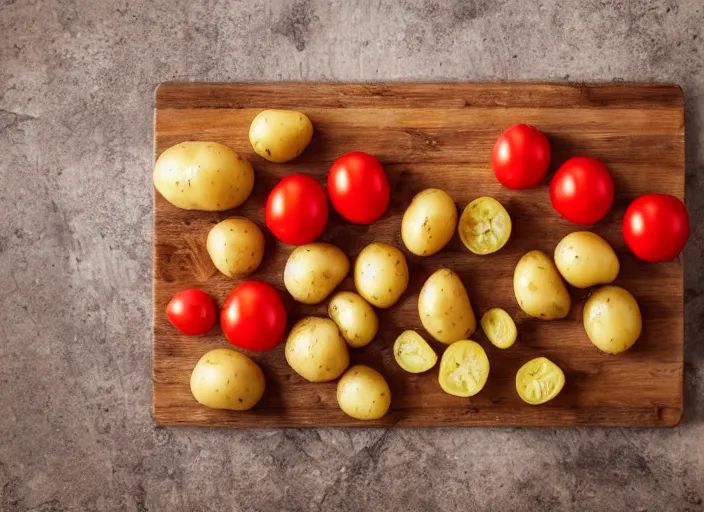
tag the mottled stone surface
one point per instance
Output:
(76, 95)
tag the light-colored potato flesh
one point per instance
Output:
(363, 393)
(499, 327)
(464, 368)
(413, 354)
(485, 226)
(313, 271)
(280, 135)
(236, 246)
(539, 289)
(444, 307)
(381, 274)
(315, 349)
(539, 381)
(355, 318)
(429, 222)
(585, 259)
(612, 319)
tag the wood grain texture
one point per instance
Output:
(437, 135)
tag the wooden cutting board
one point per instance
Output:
(437, 135)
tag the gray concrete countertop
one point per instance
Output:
(76, 96)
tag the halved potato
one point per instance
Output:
(499, 328)
(539, 381)
(413, 354)
(464, 369)
(485, 226)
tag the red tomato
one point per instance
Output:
(582, 190)
(297, 209)
(656, 227)
(253, 316)
(520, 157)
(192, 312)
(358, 187)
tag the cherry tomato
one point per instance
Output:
(192, 312)
(253, 316)
(520, 157)
(582, 190)
(656, 227)
(358, 187)
(297, 209)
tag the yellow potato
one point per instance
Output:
(315, 349)
(236, 246)
(203, 176)
(280, 135)
(538, 287)
(464, 369)
(381, 274)
(612, 319)
(226, 379)
(413, 354)
(429, 222)
(444, 307)
(499, 328)
(355, 318)
(485, 226)
(585, 259)
(313, 271)
(363, 393)
(539, 381)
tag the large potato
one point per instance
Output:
(354, 317)
(280, 135)
(363, 393)
(225, 379)
(203, 176)
(538, 287)
(381, 274)
(315, 349)
(313, 271)
(585, 259)
(444, 307)
(612, 319)
(236, 246)
(429, 222)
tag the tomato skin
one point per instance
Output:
(297, 209)
(520, 157)
(192, 312)
(358, 187)
(656, 227)
(253, 316)
(582, 190)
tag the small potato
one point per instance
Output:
(499, 328)
(315, 349)
(354, 317)
(464, 369)
(226, 379)
(539, 381)
(612, 319)
(539, 289)
(280, 135)
(313, 271)
(429, 222)
(381, 274)
(236, 246)
(203, 176)
(413, 354)
(585, 259)
(444, 307)
(363, 393)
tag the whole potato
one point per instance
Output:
(381, 274)
(226, 379)
(363, 393)
(236, 246)
(612, 319)
(585, 259)
(429, 222)
(444, 307)
(203, 176)
(354, 317)
(280, 135)
(315, 349)
(313, 271)
(538, 287)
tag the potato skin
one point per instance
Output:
(585, 259)
(539, 289)
(315, 349)
(280, 135)
(355, 318)
(227, 379)
(444, 307)
(363, 393)
(612, 319)
(203, 176)
(313, 271)
(381, 274)
(236, 246)
(429, 222)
